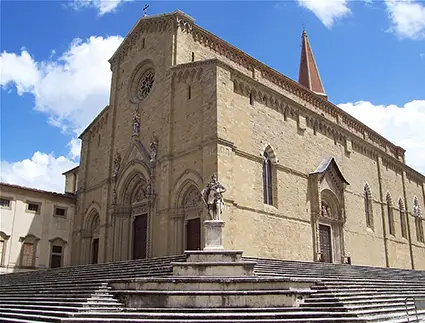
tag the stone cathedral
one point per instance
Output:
(304, 179)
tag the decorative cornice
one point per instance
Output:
(263, 94)
(97, 123)
(252, 65)
(151, 24)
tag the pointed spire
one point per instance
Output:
(309, 74)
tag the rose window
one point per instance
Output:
(145, 84)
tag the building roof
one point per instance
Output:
(309, 73)
(326, 164)
(72, 170)
(66, 195)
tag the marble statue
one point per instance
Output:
(213, 198)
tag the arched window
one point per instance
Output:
(3, 240)
(390, 215)
(267, 180)
(403, 223)
(418, 220)
(28, 250)
(367, 196)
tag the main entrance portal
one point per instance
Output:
(325, 242)
(140, 227)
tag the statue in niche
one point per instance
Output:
(213, 198)
(325, 210)
(136, 124)
(148, 188)
(154, 148)
(117, 164)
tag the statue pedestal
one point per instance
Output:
(213, 260)
(214, 234)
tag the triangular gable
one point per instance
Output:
(329, 164)
(136, 150)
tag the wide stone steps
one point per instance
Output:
(124, 269)
(96, 293)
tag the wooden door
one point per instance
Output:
(95, 251)
(325, 242)
(140, 234)
(193, 234)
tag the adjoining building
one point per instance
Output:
(35, 228)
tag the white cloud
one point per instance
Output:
(407, 18)
(401, 125)
(21, 69)
(328, 11)
(74, 148)
(42, 171)
(102, 6)
(71, 89)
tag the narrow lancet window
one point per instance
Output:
(403, 224)
(367, 196)
(419, 222)
(390, 215)
(267, 180)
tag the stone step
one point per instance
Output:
(365, 291)
(210, 283)
(61, 285)
(23, 316)
(349, 303)
(36, 296)
(208, 268)
(67, 308)
(215, 315)
(220, 298)
(354, 286)
(371, 293)
(62, 302)
(284, 320)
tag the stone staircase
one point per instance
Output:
(185, 289)
(372, 293)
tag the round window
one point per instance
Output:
(145, 84)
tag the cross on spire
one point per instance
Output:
(145, 10)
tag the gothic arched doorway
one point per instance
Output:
(131, 218)
(331, 223)
(94, 243)
(139, 221)
(192, 209)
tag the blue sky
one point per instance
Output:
(55, 77)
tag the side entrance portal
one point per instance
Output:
(325, 236)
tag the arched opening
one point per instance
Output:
(403, 222)
(94, 234)
(418, 220)
(390, 215)
(138, 200)
(330, 227)
(269, 177)
(192, 213)
(367, 196)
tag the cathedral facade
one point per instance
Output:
(304, 180)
